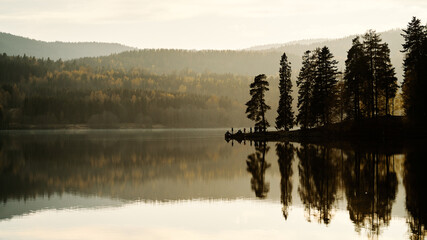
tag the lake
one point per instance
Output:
(192, 184)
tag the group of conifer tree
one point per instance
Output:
(369, 77)
(415, 70)
(367, 90)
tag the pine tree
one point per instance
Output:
(382, 83)
(356, 77)
(415, 72)
(256, 106)
(370, 77)
(285, 118)
(387, 81)
(324, 85)
(372, 46)
(305, 83)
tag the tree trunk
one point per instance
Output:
(386, 101)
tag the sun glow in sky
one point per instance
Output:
(201, 24)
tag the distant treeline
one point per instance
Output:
(44, 92)
(40, 73)
(168, 61)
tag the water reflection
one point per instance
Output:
(371, 187)
(132, 166)
(285, 154)
(318, 171)
(256, 165)
(320, 182)
(367, 178)
(415, 180)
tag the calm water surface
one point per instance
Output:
(191, 184)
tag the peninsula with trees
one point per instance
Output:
(355, 104)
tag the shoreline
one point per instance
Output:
(380, 132)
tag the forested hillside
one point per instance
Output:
(244, 62)
(250, 62)
(45, 92)
(166, 61)
(153, 87)
(15, 45)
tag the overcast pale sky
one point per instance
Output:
(202, 24)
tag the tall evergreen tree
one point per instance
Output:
(324, 85)
(305, 83)
(415, 70)
(256, 106)
(355, 77)
(383, 83)
(285, 118)
(372, 47)
(370, 77)
(387, 81)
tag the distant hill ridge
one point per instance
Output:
(251, 61)
(16, 45)
(278, 45)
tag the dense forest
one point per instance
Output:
(46, 92)
(157, 88)
(168, 61)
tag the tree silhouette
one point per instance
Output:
(324, 85)
(356, 77)
(382, 82)
(372, 45)
(305, 84)
(415, 72)
(387, 81)
(285, 118)
(369, 77)
(256, 106)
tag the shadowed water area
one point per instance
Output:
(191, 184)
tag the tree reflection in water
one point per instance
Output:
(285, 154)
(368, 178)
(371, 187)
(257, 166)
(414, 180)
(124, 166)
(318, 172)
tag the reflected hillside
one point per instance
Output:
(90, 169)
(118, 165)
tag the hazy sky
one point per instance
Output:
(201, 24)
